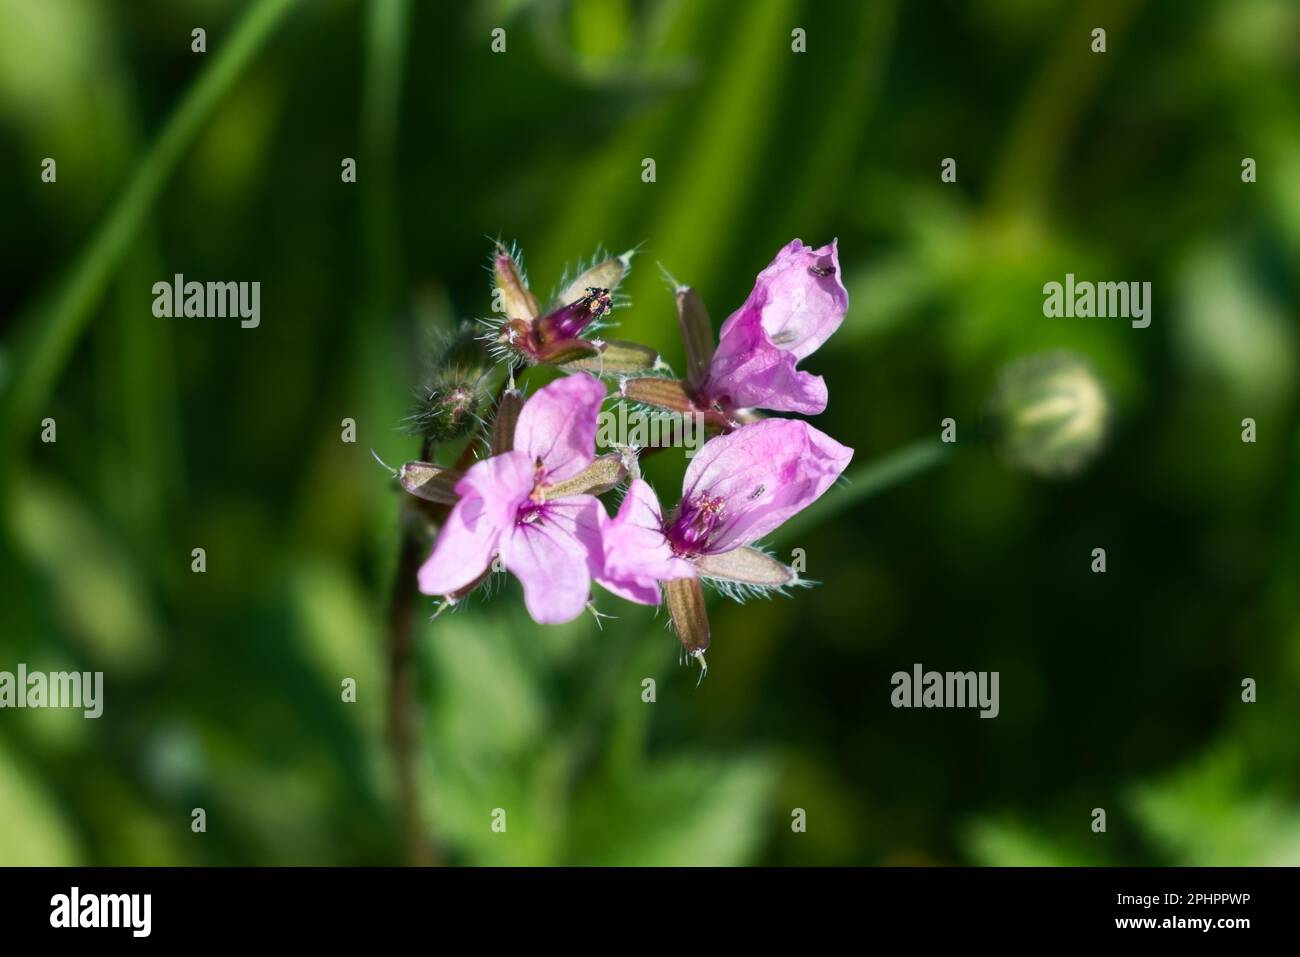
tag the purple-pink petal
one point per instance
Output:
(799, 298)
(797, 302)
(491, 492)
(750, 481)
(637, 555)
(504, 480)
(553, 554)
(747, 371)
(557, 426)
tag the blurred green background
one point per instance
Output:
(1119, 691)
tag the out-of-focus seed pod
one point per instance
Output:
(1050, 413)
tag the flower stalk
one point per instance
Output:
(418, 848)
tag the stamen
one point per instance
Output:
(689, 533)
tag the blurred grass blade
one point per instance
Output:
(705, 187)
(99, 593)
(1053, 107)
(32, 831)
(386, 28)
(51, 333)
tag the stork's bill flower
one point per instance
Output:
(739, 488)
(551, 543)
(797, 302)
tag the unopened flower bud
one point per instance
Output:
(1050, 413)
(451, 406)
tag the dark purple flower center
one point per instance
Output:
(695, 522)
(533, 510)
(530, 513)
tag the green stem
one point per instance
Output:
(867, 480)
(51, 333)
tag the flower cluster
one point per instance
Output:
(533, 506)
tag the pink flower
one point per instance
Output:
(797, 302)
(740, 487)
(551, 544)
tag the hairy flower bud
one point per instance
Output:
(1050, 413)
(462, 350)
(517, 300)
(450, 407)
